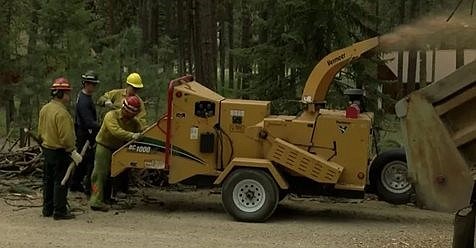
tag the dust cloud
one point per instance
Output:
(432, 32)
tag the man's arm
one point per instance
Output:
(112, 124)
(86, 114)
(40, 124)
(108, 96)
(138, 126)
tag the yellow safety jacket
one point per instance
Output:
(116, 130)
(56, 127)
(117, 97)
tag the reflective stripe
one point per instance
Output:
(129, 107)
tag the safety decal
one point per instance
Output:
(342, 129)
(194, 133)
(159, 146)
(342, 126)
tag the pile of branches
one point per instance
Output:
(148, 178)
(26, 161)
(20, 176)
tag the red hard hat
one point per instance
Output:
(61, 83)
(131, 104)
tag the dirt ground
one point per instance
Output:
(196, 219)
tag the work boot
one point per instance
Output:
(77, 188)
(66, 216)
(87, 192)
(111, 201)
(102, 208)
(47, 213)
(132, 190)
(121, 195)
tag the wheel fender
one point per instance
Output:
(254, 163)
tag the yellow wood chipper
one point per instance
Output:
(258, 158)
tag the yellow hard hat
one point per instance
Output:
(134, 80)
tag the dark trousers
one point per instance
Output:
(54, 195)
(89, 156)
(81, 179)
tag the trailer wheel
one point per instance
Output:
(250, 195)
(388, 174)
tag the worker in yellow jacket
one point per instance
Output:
(119, 126)
(113, 99)
(56, 130)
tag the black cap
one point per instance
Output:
(90, 77)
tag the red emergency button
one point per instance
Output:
(352, 111)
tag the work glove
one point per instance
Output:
(76, 157)
(109, 104)
(136, 136)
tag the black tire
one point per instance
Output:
(391, 187)
(250, 195)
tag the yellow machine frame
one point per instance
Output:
(205, 134)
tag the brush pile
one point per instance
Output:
(24, 162)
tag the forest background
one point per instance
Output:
(251, 49)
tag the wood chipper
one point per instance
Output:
(256, 157)
(439, 125)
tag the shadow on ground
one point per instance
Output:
(289, 211)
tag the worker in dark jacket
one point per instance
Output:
(86, 126)
(56, 130)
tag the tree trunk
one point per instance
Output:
(10, 106)
(205, 38)
(110, 17)
(401, 92)
(414, 8)
(231, 65)
(401, 11)
(181, 37)
(190, 35)
(170, 30)
(222, 55)
(196, 44)
(245, 43)
(212, 31)
(154, 28)
(144, 23)
(24, 117)
(10, 109)
(377, 15)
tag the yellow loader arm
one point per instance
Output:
(321, 77)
